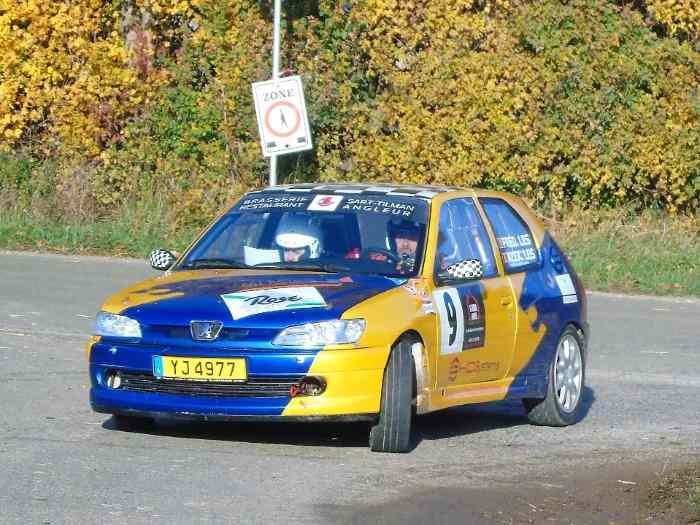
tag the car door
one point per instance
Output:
(538, 295)
(475, 318)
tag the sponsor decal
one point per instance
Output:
(517, 250)
(253, 302)
(325, 203)
(567, 289)
(453, 371)
(566, 285)
(279, 284)
(279, 201)
(411, 287)
(474, 323)
(428, 307)
(469, 367)
(415, 287)
(385, 207)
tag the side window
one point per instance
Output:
(514, 238)
(462, 236)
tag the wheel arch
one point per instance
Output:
(583, 331)
(421, 366)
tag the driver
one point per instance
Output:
(402, 238)
(298, 238)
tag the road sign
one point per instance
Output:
(282, 120)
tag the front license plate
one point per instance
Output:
(203, 368)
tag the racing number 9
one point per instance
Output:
(451, 317)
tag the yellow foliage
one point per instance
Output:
(542, 99)
(71, 74)
(679, 16)
(562, 102)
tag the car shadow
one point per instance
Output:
(472, 419)
(451, 422)
(294, 433)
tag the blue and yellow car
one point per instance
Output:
(350, 302)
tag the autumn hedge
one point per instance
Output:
(589, 102)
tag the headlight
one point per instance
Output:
(323, 333)
(113, 325)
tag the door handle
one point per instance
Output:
(506, 301)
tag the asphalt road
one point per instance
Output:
(62, 463)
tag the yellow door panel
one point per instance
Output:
(476, 325)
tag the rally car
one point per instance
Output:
(350, 302)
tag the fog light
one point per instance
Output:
(113, 379)
(309, 386)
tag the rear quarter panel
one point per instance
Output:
(546, 305)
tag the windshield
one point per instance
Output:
(334, 233)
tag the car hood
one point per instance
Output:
(245, 299)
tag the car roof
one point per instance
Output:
(404, 190)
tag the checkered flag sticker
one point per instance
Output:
(162, 259)
(470, 269)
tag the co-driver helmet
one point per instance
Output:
(298, 230)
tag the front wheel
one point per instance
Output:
(567, 374)
(392, 433)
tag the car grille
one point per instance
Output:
(254, 387)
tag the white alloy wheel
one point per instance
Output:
(568, 374)
(562, 404)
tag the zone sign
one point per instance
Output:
(282, 120)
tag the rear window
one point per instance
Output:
(514, 238)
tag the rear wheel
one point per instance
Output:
(567, 374)
(392, 433)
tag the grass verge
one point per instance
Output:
(134, 232)
(616, 251)
(695, 497)
(620, 251)
(675, 498)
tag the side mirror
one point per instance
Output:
(162, 259)
(467, 270)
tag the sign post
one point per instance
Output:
(280, 107)
(275, 74)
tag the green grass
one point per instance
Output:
(695, 497)
(133, 233)
(621, 252)
(612, 251)
(674, 497)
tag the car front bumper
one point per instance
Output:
(353, 379)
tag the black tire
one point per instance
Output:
(549, 411)
(392, 433)
(127, 422)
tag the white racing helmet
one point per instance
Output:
(298, 230)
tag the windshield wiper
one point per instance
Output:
(215, 263)
(305, 267)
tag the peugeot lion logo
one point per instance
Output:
(205, 330)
